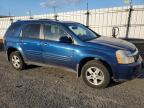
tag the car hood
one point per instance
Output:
(113, 42)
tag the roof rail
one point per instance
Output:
(49, 19)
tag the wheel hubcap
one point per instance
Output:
(94, 75)
(16, 61)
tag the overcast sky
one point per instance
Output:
(20, 7)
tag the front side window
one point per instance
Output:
(31, 31)
(53, 32)
(81, 31)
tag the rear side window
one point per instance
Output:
(31, 31)
(12, 30)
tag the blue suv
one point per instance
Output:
(98, 59)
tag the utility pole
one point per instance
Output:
(55, 14)
(129, 18)
(30, 14)
(87, 14)
(11, 19)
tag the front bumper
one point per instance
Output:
(128, 71)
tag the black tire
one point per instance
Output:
(21, 62)
(103, 71)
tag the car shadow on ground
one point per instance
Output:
(31, 67)
(1, 47)
(141, 75)
(113, 83)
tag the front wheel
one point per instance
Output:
(95, 74)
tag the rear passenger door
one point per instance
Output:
(31, 42)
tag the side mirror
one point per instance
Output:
(65, 39)
(115, 32)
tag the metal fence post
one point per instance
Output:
(55, 14)
(129, 21)
(11, 20)
(87, 18)
(87, 15)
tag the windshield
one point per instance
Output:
(82, 32)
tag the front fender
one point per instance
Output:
(107, 56)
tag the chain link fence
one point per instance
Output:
(127, 22)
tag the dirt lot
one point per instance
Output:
(43, 87)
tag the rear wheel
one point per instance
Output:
(17, 61)
(95, 74)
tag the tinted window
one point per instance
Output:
(31, 31)
(12, 30)
(53, 32)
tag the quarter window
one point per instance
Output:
(31, 31)
(12, 30)
(53, 32)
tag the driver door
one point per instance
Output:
(54, 51)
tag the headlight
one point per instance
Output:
(124, 57)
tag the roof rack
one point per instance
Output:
(49, 19)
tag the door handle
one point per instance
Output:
(45, 44)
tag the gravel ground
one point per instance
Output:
(43, 87)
